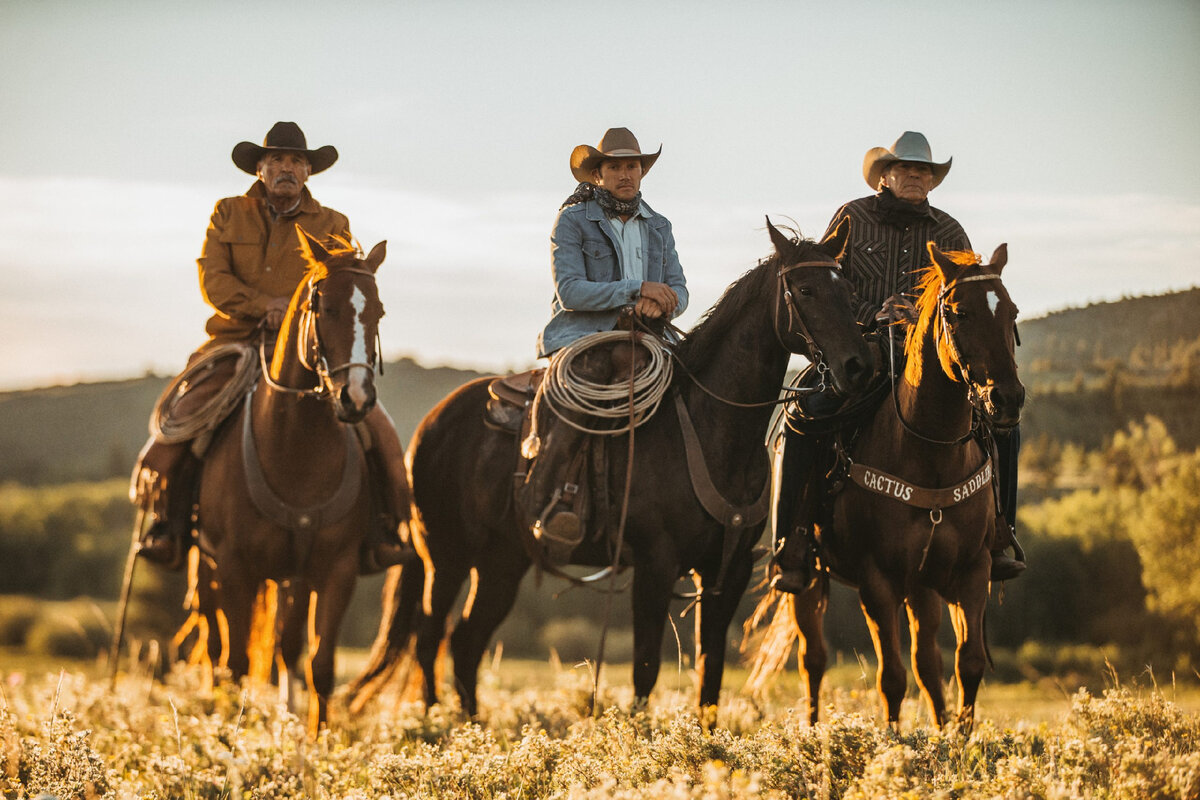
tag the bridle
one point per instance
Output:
(796, 325)
(947, 335)
(311, 351)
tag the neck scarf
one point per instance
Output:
(611, 205)
(896, 212)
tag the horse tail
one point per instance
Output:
(402, 591)
(775, 645)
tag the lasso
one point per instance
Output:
(564, 390)
(166, 428)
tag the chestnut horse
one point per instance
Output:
(900, 542)
(283, 493)
(465, 519)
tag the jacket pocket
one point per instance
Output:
(599, 260)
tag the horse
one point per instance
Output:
(901, 543)
(465, 518)
(292, 443)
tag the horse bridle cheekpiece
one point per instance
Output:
(309, 347)
(795, 320)
(948, 333)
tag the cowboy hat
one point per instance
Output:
(911, 146)
(283, 136)
(617, 143)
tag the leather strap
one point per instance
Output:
(302, 522)
(880, 482)
(735, 519)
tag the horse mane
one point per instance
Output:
(928, 289)
(700, 344)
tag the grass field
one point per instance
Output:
(64, 733)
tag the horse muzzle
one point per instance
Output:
(355, 398)
(1003, 403)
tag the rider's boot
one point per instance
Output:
(169, 498)
(386, 543)
(559, 526)
(1004, 566)
(794, 550)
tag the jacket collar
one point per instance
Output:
(307, 205)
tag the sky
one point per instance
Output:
(1074, 129)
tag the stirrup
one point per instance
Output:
(162, 547)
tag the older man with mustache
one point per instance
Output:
(250, 266)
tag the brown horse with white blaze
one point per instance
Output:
(904, 544)
(283, 492)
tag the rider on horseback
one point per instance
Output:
(609, 250)
(250, 266)
(887, 246)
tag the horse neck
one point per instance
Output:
(748, 365)
(278, 410)
(930, 401)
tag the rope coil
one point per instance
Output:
(567, 392)
(169, 427)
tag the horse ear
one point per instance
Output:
(376, 256)
(944, 263)
(310, 248)
(999, 258)
(780, 241)
(834, 244)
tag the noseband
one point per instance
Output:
(310, 350)
(795, 320)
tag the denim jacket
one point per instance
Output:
(588, 288)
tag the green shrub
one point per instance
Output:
(17, 613)
(70, 630)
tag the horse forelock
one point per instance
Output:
(928, 290)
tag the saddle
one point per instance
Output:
(510, 398)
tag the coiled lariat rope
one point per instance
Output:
(169, 427)
(566, 392)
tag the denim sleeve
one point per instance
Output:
(673, 270)
(575, 288)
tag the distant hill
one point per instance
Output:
(91, 431)
(1089, 371)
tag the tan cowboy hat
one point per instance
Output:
(283, 136)
(617, 143)
(911, 146)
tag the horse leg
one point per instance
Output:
(924, 617)
(497, 579)
(970, 657)
(236, 605)
(881, 607)
(441, 589)
(325, 614)
(653, 580)
(714, 612)
(809, 611)
(292, 620)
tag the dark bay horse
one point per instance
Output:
(465, 520)
(914, 524)
(283, 493)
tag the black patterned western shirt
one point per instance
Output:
(881, 257)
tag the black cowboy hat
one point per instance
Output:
(283, 136)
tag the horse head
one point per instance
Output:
(813, 311)
(974, 324)
(339, 327)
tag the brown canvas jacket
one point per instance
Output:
(250, 258)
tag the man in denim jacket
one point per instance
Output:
(609, 250)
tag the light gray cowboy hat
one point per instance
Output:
(911, 146)
(283, 136)
(617, 143)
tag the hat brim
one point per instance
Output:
(246, 156)
(586, 159)
(879, 159)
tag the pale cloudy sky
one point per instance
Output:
(1074, 128)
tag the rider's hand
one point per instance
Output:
(276, 309)
(661, 296)
(897, 308)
